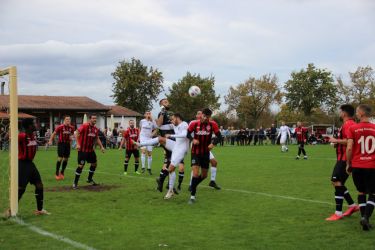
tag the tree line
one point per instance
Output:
(311, 94)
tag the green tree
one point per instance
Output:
(136, 86)
(187, 106)
(363, 85)
(253, 98)
(309, 89)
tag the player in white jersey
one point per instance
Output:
(284, 134)
(148, 128)
(178, 148)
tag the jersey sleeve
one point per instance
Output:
(82, 128)
(350, 134)
(57, 129)
(216, 130)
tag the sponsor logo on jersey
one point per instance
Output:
(32, 143)
(203, 132)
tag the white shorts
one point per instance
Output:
(283, 139)
(178, 154)
(148, 148)
(211, 156)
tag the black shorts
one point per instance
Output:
(27, 173)
(84, 157)
(301, 144)
(201, 160)
(63, 149)
(339, 172)
(364, 180)
(129, 153)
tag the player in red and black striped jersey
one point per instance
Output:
(65, 133)
(203, 130)
(87, 136)
(360, 154)
(301, 135)
(130, 138)
(27, 171)
(339, 174)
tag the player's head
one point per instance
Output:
(299, 124)
(67, 120)
(363, 111)
(198, 116)
(282, 123)
(92, 118)
(28, 125)
(346, 110)
(206, 115)
(148, 115)
(176, 119)
(164, 102)
(131, 123)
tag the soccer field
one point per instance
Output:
(269, 200)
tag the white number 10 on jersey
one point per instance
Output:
(367, 144)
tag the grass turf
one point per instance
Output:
(255, 210)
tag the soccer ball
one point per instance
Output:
(194, 91)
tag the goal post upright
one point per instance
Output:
(13, 156)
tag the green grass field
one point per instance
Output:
(268, 201)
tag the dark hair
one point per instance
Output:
(347, 108)
(207, 112)
(162, 100)
(178, 115)
(65, 116)
(365, 108)
(91, 115)
(26, 123)
(131, 120)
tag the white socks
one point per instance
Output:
(172, 178)
(213, 173)
(149, 162)
(143, 160)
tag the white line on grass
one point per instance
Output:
(51, 235)
(231, 190)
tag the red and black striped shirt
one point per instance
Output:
(301, 133)
(88, 135)
(203, 133)
(130, 135)
(343, 134)
(27, 146)
(65, 133)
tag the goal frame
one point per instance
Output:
(13, 130)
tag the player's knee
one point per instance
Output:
(93, 165)
(336, 183)
(171, 168)
(204, 175)
(213, 163)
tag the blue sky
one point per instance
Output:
(70, 47)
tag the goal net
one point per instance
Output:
(9, 142)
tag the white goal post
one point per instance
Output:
(13, 129)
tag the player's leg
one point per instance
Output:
(60, 153)
(172, 178)
(93, 165)
(359, 179)
(168, 147)
(299, 151)
(181, 174)
(149, 159)
(36, 180)
(82, 156)
(370, 182)
(152, 142)
(201, 162)
(136, 160)
(194, 180)
(213, 162)
(126, 162)
(65, 160)
(23, 177)
(143, 158)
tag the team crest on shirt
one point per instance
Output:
(208, 128)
